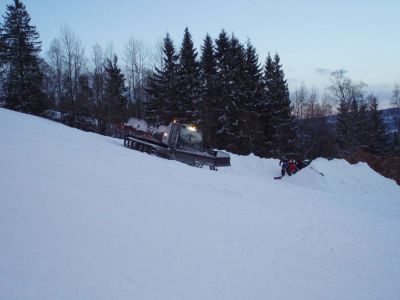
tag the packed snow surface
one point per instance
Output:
(82, 217)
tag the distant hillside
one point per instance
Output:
(389, 116)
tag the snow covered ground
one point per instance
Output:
(82, 217)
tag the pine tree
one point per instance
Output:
(19, 52)
(236, 141)
(351, 113)
(343, 126)
(114, 105)
(354, 134)
(230, 81)
(362, 125)
(264, 112)
(222, 88)
(281, 133)
(378, 132)
(253, 96)
(188, 82)
(84, 104)
(358, 123)
(208, 73)
(163, 87)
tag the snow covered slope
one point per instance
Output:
(82, 217)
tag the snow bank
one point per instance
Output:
(82, 217)
(138, 124)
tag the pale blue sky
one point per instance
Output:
(362, 37)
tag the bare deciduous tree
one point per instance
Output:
(74, 60)
(136, 61)
(343, 89)
(298, 100)
(314, 135)
(55, 57)
(98, 63)
(75, 71)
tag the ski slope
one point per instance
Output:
(82, 217)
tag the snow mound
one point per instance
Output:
(138, 124)
(82, 217)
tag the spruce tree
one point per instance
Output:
(230, 59)
(354, 134)
(378, 132)
(162, 106)
(115, 102)
(362, 125)
(234, 124)
(264, 112)
(84, 104)
(281, 131)
(188, 82)
(343, 126)
(208, 73)
(253, 96)
(19, 52)
(222, 88)
(351, 113)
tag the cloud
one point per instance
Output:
(338, 71)
(323, 71)
(329, 72)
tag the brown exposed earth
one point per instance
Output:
(388, 166)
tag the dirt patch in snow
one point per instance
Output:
(388, 166)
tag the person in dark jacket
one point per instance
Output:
(284, 164)
(299, 165)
